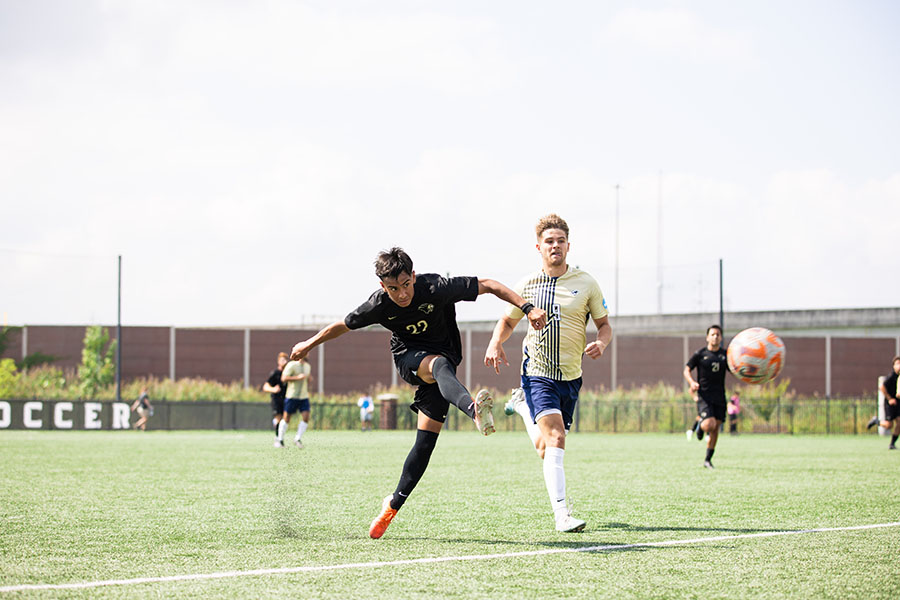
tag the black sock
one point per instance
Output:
(709, 453)
(414, 467)
(893, 439)
(696, 426)
(451, 389)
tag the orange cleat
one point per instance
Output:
(381, 522)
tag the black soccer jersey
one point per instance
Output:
(890, 384)
(428, 323)
(711, 368)
(275, 379)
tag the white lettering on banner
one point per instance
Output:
(5, 415)
(92, 415)
(28, 415)
(58, 421)
(120, 414)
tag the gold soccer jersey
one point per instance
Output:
(555, 351)
(297, 389)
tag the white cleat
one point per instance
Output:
(516, 396)
(690, 434)
(570, 524)
(278, 444)
(298, 443)
(484, 418)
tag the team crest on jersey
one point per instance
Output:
(426, 308)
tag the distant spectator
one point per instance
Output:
(277, 389)
(734, 412)
(143, 408)
(366, 410)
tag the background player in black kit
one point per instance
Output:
(420, 313)
(891, 404)
(711, 364)
(277, 389)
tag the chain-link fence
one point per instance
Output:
(790, 416)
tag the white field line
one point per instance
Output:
(420, 561)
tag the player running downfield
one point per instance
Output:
(711, 364)
(891, 404)
(420, 313)
(551, 357)
(296, 379)
(277, 390)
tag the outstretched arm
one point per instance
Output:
(536, 316)
(301, 349)
(495, 353)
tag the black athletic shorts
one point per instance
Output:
(429, 401)
(711, 409)
(891, 412)
(277, 405)
(408, 363)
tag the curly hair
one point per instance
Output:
(551, 221)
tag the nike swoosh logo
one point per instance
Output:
(391, 318)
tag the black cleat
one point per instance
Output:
(700, 434)
(872, 423)
(708, 465)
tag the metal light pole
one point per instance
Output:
(721, 303)
(617, 251)
(119, 338)
(659, 252)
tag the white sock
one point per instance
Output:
(555, 478)
(282, 427)
(301, 429)
(534, 432)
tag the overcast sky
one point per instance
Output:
(249, 159)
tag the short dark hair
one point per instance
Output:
(711, 327)
(895, 359)
(393, 262)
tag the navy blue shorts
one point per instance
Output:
(292, 405)
(544, 394)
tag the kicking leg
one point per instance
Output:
(437, 369)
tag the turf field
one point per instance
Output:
(162, 511)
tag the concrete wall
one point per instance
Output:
(834, 362)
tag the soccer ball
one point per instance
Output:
(756, 355)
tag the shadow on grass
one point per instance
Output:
(718, 530)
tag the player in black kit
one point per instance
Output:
(420, 312)
(711, 364)
(891, 404)
(277, 389)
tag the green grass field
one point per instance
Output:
(85, 507)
